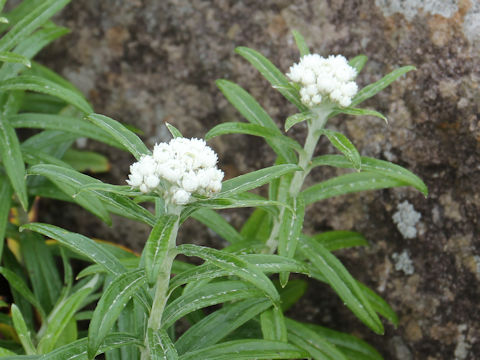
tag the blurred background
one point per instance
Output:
(145, 62)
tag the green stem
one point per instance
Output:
(161, 289)
(313, 135)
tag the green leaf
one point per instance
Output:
(247, 350)
(229, 203)
(6, 196)
(34, 18)
(273, 325)
(29, 47)
(69, 181)
(358, 62)
(78, 349)
(161, 239)
(17, 283)
(68, 124)
(174, 131)
(372, 89)
(62, 314)
(349, 183)
(5, 352)
(342, 282)
(79, 244)
(46, 73)
(341, 143)
(253, 129)
(379, 304)
(11, 57)
(219, 324)
(317, 346)
(112, 302)
(236, 265)
(86, 161)
(360, 112)
(297, 118)
(160, 345)
(12, 160)
(372, 165)
(38, 84)
(301, 44)
(254, 113)
(273, 75)
(120, 133)
(22, 331)
(290, 230)
(42, 269)
(207, 295)
(217, 223)
(257, 226)
(255, 179)
(350, 345)
(339, 239)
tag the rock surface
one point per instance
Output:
(147, 62)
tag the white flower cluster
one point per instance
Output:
(324, 79)
(406, 218)
(177, 170)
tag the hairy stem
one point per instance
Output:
(314, 126)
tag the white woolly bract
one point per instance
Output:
(324, 79)
(177, 170)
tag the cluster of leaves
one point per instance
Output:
(242, 278)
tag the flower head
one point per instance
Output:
(324, 79)
(177, 170)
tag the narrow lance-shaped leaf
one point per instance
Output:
(61, 315)
(63, 123)
(301, 44)
(161, 239)
(290, 229)
(360, 112)
(17, 283)
(120, 133)
(247, 349)
(254, 113)
(273, 75)
(297, 118)
(12, 160)
(173, 130)
(348, 183)
(376, 166)
(317, 346)
(342, 282)
(34, 18)
(372, 89)
(236, 265)
(339, 239)
(6, 196)
(160, 345)
(255, 179)
(358, 62)
(41, 85)
(220, 323)
(6, 56)
(352, 347)
(112, 302)
(68, 180)
(79, 244)
(253, 129)
(207, 295)
(273, 325)
(341, 142)
(22, 331)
